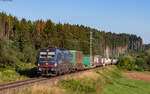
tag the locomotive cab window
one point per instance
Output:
(47, 56)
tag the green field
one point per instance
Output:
(127, 86)
(123, 85)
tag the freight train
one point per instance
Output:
(53, 61)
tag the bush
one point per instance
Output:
(141, 64)
(24, 66)
(148, 57)
(29, 54)
(8, 61)
(10, 54)
(126, 62)
(8, 57)
(7, 75)
(7, 54)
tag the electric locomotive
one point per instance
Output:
(53, 61)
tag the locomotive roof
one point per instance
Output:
(48, 49)
(73, 51)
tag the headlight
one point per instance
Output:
(55, 64)
(40, 69)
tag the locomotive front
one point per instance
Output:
(46, 61)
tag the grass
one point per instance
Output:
(51, 88)
(116, 83)
(10, 75)
(91, 82)
(13, 73)
(109, 80)
(86, 83)
(127, 86)
(148, 72)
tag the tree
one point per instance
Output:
(49, 34)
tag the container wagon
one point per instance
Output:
(88, 62)
(103, 61)
(98, 61)
(77, 60)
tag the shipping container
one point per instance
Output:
(103, 61)
(93, 61)
(77, 59)
(97, 60)
(107, 61)
(114, 61)
(87, 61)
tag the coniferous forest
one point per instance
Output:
(74, 47)
(20, 40)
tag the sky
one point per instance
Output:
(119, 16)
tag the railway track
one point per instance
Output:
(16, 85)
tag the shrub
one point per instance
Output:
(141, 64)
(126, 62)
(7, 54)
(10, 75)
(8, 61)
(148, 57)
(29, 54)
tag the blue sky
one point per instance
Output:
(119, 16)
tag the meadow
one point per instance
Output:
(108, 80)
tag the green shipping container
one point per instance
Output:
(86, 60)
(74, 57)
(77, 58)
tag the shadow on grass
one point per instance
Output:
(29, 72)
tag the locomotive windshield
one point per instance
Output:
(47, 56)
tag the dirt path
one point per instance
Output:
(138, 76)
